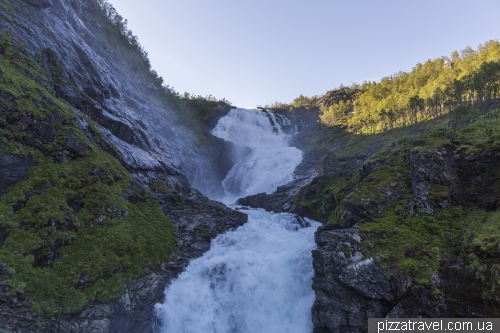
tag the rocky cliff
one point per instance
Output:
(412, 233)
(97, 213)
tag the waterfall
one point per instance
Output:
(256, 278)
(271, 162)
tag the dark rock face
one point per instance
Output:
(349, 287)
(279, 201)
(426, 169)
(198, 220)
(476, 179)
(275, 202)
(12, 170)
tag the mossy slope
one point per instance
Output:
(79, 228)
(427, 210)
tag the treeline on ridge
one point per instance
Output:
(466, 85)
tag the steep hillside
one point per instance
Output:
(411, 232)
(97, 213)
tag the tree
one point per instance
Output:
(416, 104)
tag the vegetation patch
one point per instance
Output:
(202, 230)
(322, 199)
(464, 86)
(482, 236)
(412, 246)
(419, 247)
(390, 177)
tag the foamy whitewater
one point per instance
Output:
(257, 278)
(271, 162)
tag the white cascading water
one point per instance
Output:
(257, 278)
(271, 162)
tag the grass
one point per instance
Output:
(479, 136)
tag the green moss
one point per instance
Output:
(160, 187)
(21, 78)
(390, 179)
(103, 237)
(416, 247)
(325, 197)
(411, 246)
(201, 230)
(73, 237)
(482, 234)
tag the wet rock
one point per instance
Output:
(39, 3)
(279, 201)
(13, 168)
(270, 202)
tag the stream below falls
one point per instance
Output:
(256, 278)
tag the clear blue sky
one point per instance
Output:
(256, 52)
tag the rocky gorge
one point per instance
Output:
(102, 172)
